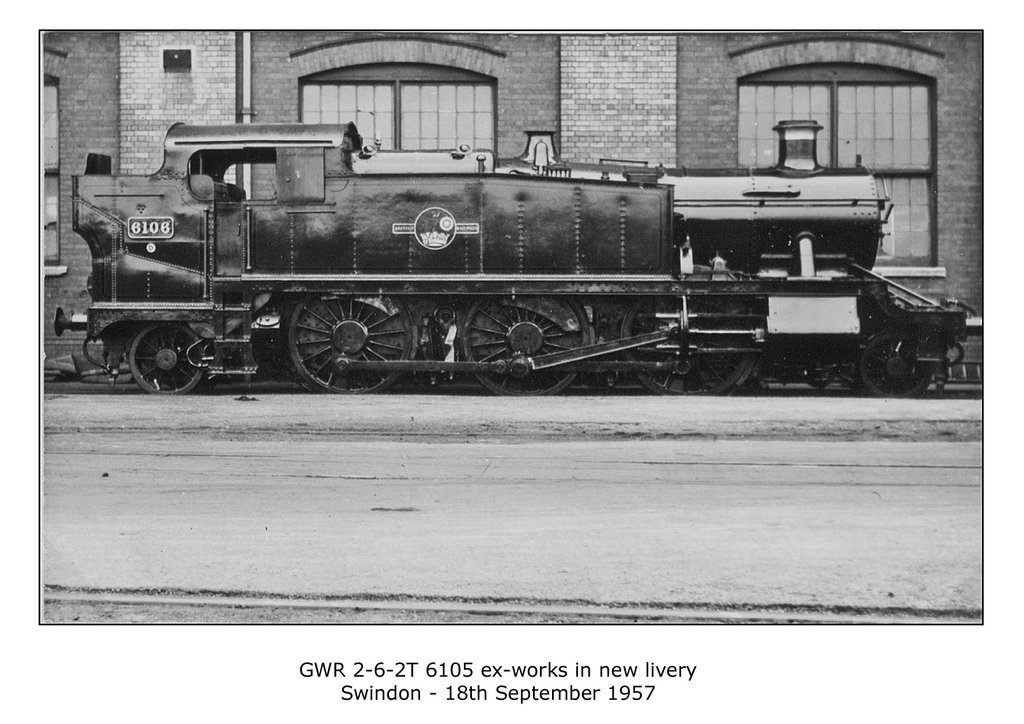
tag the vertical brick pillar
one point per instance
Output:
(618, 97)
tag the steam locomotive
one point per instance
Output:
(298, 250)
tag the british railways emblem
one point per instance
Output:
(435, 228)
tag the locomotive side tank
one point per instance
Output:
(298, 250)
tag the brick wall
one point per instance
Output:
(85, 65)
(960, 131)
(153, 99)
(618, 97)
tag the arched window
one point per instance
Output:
(882, 117)
(409, 106)
(51, 173)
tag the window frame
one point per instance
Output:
(397, 76)
(837, 75)
(51, 173)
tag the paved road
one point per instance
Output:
(810, 503)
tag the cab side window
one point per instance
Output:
(233, 174)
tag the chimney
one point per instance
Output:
(798, 146)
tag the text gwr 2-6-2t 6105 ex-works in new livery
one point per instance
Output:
(295, 250)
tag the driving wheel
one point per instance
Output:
(327, 332)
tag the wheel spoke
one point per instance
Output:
(318, 330)
(385, 346)
(311, 313)
(335, 317)
(505, 327)
(376, 324)
(319, 352)
(322, 367)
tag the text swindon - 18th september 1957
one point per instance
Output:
(469, 681)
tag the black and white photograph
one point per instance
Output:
(510, 333)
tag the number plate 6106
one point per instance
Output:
(150, 227)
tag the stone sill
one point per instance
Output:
(911, 272)
(56, 271)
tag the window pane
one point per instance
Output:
(919, 100)
(51, 246)
(865, 99)
(364, 98)
(446, 129)
(385, 124)
(329, 110)
(747, 98)
(347, 103)
(883, 100)
(901, 153)
(51, 131)
(483, 131)
(801, 102)
(748, 152)
(883, 153)
(446, 98)
(484, 99)
(382, 99)
(883, 125)
(748, 126)
(410, 129)
(847, 99)
(901, 99)
(909, 230)
(428, 124)
(783, 101)
(819, 103)
(464, 128)
(920, 152)
(866, 150)
(311, 104)
(428, 98)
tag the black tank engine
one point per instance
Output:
(297, 250)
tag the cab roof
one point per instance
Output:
(181, 136)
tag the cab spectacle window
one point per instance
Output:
(882, 115)
(410, 107)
